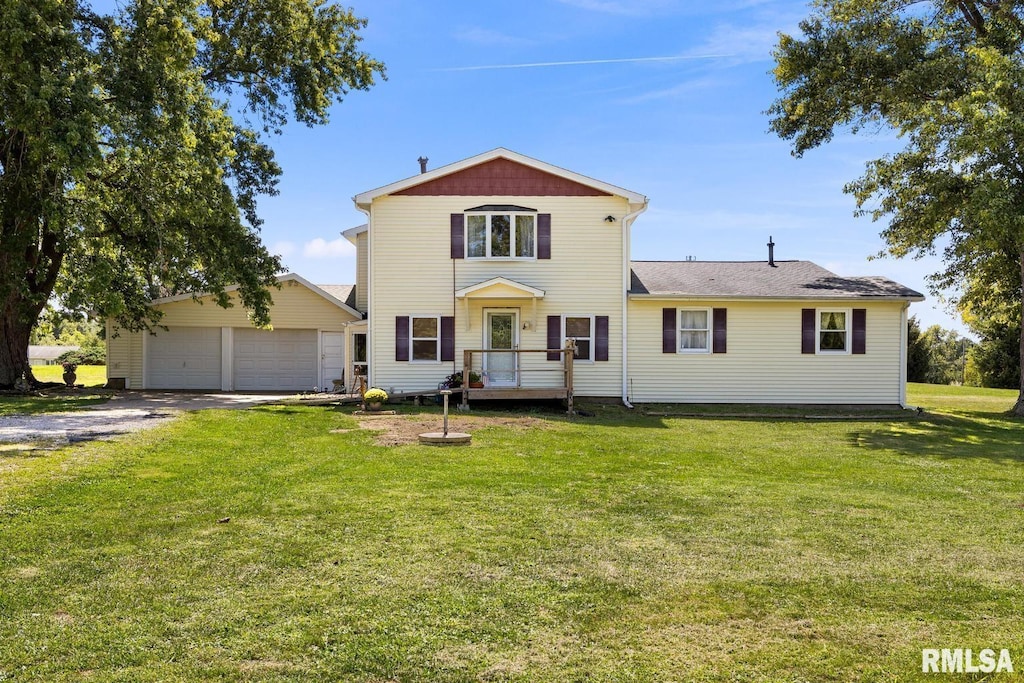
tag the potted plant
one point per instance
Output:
(69, 373)
(374, 398)
(454, 380)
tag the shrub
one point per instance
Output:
(454, 380)
(87, 355)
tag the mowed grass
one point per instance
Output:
(87, 375)
(619, 547)
(53, 401)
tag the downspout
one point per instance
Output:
(903, 354)
(369, 295)
(627, 222)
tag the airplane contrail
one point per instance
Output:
(534, 65)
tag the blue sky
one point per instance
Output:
(680, 120)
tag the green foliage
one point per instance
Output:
(947, 355)
(997, 355)
(57, 327)
(91, 355)
(948, 78)
(135, 147)
(918, 355)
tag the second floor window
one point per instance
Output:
(501, 235)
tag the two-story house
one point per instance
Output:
(507, 257)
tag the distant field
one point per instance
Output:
(89, 375)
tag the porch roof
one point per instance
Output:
(499, 288)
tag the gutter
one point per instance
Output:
(627, 222)
(369, 293)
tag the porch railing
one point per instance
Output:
(562, 390)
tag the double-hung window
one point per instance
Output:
(501, 235)
(426, 338)
(580, 328)
(833, 331)
(694, 330)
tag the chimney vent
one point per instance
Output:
(423, 164)
(771, 252)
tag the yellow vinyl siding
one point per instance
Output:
(295, 307)
(362, 277)
(414, 274)
(764, 363)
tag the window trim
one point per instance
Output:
(413, 338)
(708, 330)
(512, 235)
(592, 338)
(847, 331)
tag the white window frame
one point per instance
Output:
(413, 338)
(592, 338)
(709, 331)
(847, 331)
(512, 237)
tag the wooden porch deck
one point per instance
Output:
(519, 392)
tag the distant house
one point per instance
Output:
(47, 355)
(501, 259)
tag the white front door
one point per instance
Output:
(332, 358)
(501, 331)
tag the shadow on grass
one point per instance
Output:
(991, 436)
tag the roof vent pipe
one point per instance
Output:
(771, 252)
(423, 164)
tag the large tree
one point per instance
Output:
(948, 78)
(133, 148)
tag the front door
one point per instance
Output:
(501, 331)
(332, 359)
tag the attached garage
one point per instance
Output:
(184, 358)
(275, 360)
(209, 348)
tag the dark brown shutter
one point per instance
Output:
(447, 338)
(458, 236)
(718, 338)
(668, 330)
(601, 337)
(401, 337)
(860, 334)
(807, 340)
(554, 336)
(544, 235)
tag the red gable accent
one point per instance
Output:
(501, 177)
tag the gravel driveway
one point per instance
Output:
(127, 412)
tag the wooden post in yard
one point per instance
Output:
(467, 363)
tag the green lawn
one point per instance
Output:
(88, 375)
(617, 547)
(58, 400)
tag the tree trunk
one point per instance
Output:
(16, 320)
(1018, 409)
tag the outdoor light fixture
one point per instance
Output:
(609, 219)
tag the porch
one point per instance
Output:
(512, 375)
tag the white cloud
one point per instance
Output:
(627, 7)
(321, 248)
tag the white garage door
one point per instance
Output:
(183, 358)
(274, 360)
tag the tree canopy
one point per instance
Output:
(948, 78)
(134, 147)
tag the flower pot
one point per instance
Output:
(374, 406)
(69, 378)
(476, 385)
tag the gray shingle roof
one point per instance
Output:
(344, 293)
(788, 280)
